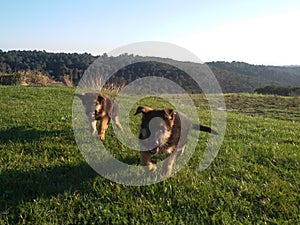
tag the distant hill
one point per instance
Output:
(232, 76)
(260, 75)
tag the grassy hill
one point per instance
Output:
(45, 180)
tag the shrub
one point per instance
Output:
(27, 77)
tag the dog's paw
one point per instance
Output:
(152, 167)
(101, 137)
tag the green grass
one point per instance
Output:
(45, 180)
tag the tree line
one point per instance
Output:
(276, 90)
(55, 65)
(73, 65)
(232, 77)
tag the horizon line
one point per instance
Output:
(89, 53)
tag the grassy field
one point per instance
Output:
(255, 178)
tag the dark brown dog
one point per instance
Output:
(101, 107)
(164, 131)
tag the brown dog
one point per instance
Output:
(164, 131)
(101, 107)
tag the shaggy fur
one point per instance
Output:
(164, 131)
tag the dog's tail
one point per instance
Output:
(204, 128)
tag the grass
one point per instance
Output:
(45, 180)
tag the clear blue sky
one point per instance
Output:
(259, 32)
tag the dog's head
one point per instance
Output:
(88, 100)
(156, 127)
(100, 106)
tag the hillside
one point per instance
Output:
(267, 75)
(233, 77)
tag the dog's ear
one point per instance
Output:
(143, 109)
(169, 113)
(101, 96)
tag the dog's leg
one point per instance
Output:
(146, 161)
(118, 124)
(93, 127)
(180, 151)
(169, 162)
(103, 127)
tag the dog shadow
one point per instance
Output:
(28, 134)
(17, 187)
(43, 182)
